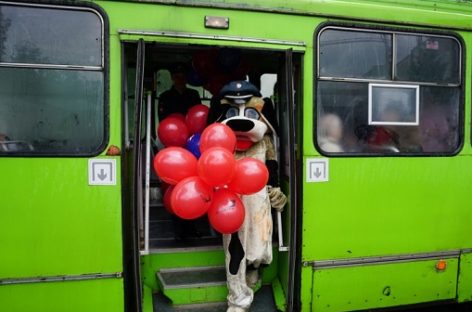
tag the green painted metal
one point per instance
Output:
(150, 264)
(464, 286)
(382, 285)
(104, 295)
(54, 223)
(197, 294)
(388, 206)
(440, 13)
(279, 295)
(147, 299)
(306, 291)
(52, 228)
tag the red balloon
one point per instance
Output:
(167, 197)
(216, 166)
(177, 115)
(191, 198)
(250, 176)
(226, 213)
(196, 118)
(173, 131)
(218, 135)
(173, 164)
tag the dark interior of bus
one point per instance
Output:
(266, 69)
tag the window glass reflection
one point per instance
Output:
(36, 35)
(427, 59)
(355, 54)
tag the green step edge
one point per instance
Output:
(152, 263)
(207, 294)
(279, 296)
(147, 299)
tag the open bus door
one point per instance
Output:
(176, 271)
(132, 271)
(287, 222)
(292, 180)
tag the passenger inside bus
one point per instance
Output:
(330, 133)
(179, 98)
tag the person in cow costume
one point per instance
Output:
(241, 107)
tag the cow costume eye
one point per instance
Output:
(232, 112)
(252, 113)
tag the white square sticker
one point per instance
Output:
(102, 171)
(317, 170)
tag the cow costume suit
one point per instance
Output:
(252, 118)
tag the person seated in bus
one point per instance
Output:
(377, 139)
(179, 98)
(435, 130)
(407, 136)
(330, 133)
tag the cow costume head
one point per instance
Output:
(243, 109)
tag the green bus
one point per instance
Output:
(373, 100)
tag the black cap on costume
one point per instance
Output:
(239, 91)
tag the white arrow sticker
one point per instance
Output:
(317, 170)
(102, 171)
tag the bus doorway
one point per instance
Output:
(182, 262)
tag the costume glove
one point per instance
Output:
(277, 198)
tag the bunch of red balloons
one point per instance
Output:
(180, 130)
(212, 183)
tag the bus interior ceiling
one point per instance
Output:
(263, 68)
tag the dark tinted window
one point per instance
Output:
(415, 112)
(46, 108)
(427, 59)
(355, 54)
(50, 36)
(53, 111)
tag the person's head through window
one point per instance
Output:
(330, 133)
(4, 137)
(391, 113)
(179, 76)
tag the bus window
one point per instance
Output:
(51, 81)
(427, 59)
(355, 54)
(373, 100)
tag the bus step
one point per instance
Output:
(193, 285)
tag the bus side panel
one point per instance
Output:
(54, 223)
(306, 289)
(382, 285)
(103, 295)
(464, 287)
(382, 206)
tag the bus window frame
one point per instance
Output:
(104, 69)
(361, 27)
